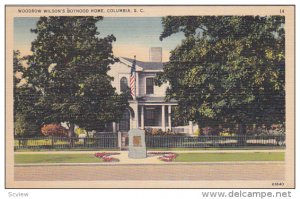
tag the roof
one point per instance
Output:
(147, 65)
(155, 99)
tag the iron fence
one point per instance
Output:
(107, 141)
(213, 141)
(110, 141)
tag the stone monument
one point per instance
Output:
(137, 144)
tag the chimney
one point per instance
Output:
(155, 54)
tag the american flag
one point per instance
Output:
(132, 78)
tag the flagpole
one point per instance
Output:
(135, 78)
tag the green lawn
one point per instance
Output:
(182, 157)
(56, 158)
(223, 157)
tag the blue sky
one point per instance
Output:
(135, 35)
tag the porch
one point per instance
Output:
(154, 116)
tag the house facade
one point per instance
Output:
(148, 108)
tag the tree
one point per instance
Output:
(26, 110)
(17, 67)
(231, 69)
(69, 65)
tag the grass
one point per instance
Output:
(56, 158)
(182, 157)
(224, 157)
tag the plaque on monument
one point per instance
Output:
(137, 144)
(137, 141)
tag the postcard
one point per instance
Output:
(150, 96)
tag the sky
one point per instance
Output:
(135, 35)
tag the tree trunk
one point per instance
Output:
(71, 134)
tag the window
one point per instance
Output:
(123, 84)
(152, 116)
(149, 85)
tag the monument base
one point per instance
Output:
(137, 153)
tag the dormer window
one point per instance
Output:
(123, 84)
(149, 85)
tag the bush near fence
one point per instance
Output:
(160, 132)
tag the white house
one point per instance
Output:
(148, 109)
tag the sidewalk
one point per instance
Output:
(151, 172)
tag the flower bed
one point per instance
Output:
(165, 156)
(106, 157)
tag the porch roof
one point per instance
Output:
(155, 99)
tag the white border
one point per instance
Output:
(146, 194)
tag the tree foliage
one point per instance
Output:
(27, 118)
(228, 70)
(69, 67)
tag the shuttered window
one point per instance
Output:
(149, 85)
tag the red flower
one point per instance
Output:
(106, 156)
(166, 156)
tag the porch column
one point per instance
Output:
(169, 117)
(137, 116)
(163, 118)
(142, 117)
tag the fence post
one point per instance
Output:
(70, 142)
(120, 140)
(84, 142)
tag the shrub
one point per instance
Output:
(159, 132)
(54, 130)
(197, 132)
(224, 133)
(24, 127)
(273, 130)
(79, 131)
